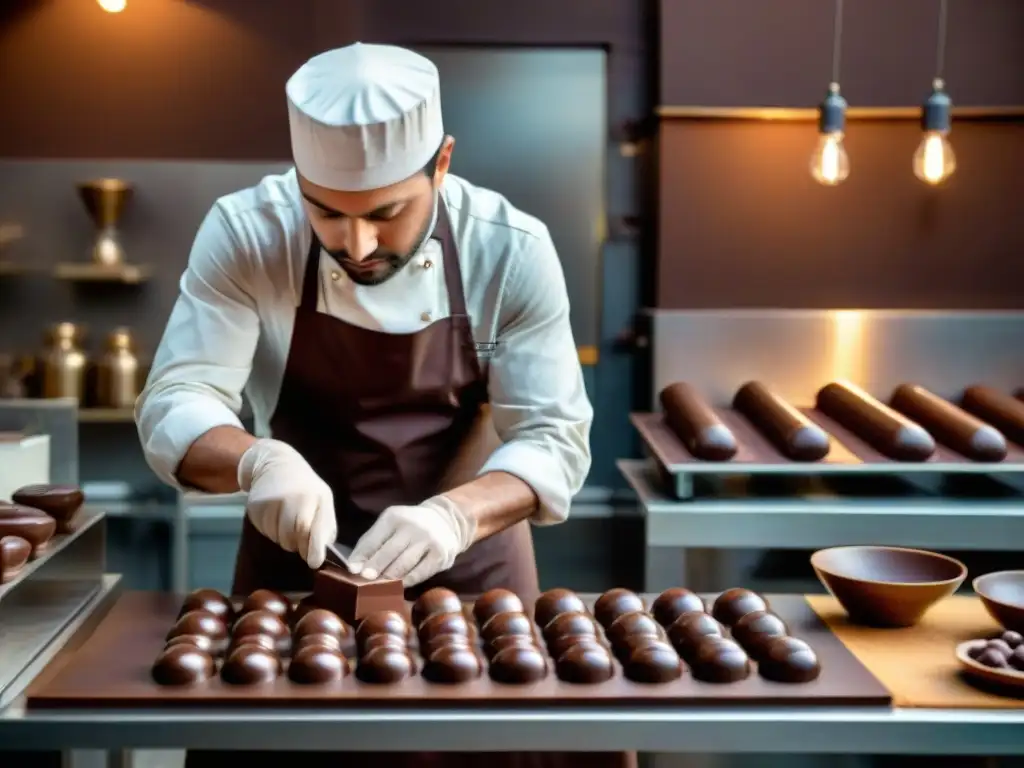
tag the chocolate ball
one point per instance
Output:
(555, 602)
(560, 645)
(755, 629)
(383, 666)
(261, 641)
(1016, 659)
(436, 600)
(202, 623)
(498, 644)
(718, 660)
(383, 641)
(183, 665)
(452, 664)
(655, 663)
(321, 640)
(304, 606)
(263, 623)
(382, 623)
(990, 657)
(1000, 645)
(632, 643)
(789, 660)
(444, 624)
(733, 604)
(507, 623)
(320, 622)
(250, 665)
(636, 623)
(570, 624)
(270, 601)
(615, 603)
(430, 646)
(202, 642)
(494, 602)
(211, 601)
(518, 665)
(1012, 639)
(585, 664)
(316, 665)
(675, 602)
(687, 632)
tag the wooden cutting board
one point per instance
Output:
(918, 664)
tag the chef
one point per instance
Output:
(403, 339)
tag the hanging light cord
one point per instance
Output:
(940, 46)
(837, 39)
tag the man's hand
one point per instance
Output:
(288, 502)
(413, 543)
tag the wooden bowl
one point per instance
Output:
(1002, 594)
(887, 586)
(1003, 678)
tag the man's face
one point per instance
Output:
(373, 234)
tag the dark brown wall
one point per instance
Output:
(741, 222)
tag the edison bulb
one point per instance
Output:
(830, 164)
(934, 161)
(112, 6)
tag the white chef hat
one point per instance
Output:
(364, 116)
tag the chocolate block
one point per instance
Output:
(352, 597)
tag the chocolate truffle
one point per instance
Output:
(325, 641)
(452, 664)
(428, 648)
(202, 623)
(733, 604)
(1000, 645)
(673, 603)
(560, 645)
(211, 601)
(382, 623)
(202, 642)
(14, 555)
(444, 624)
(270, 601)
(585, 664)
(316, 665)
(1012, 639)
(1016, 659)
(655, 663)
(565, 624)
(518, 665)
(32, 525)
(384, 665)
(383, 640)
(183, 665)
(990, 657)
(687, 632)
(304, 606)
(321, 622)
(755, 629)
(789, 660)
(718, 660)
(493, 647)
(494, 602)
(263, 623)
(635, 623)
(632, 643)
(250, 665)
(507, 623)
(555, 602)
(436, 600)
(61, 502)
(261, 641)
(615, 603)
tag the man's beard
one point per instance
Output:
(381, 265)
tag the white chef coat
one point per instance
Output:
(231, 328)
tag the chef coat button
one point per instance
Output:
(425, 317)
(427, 263)
(335, 276)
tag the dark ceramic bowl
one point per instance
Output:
(1002, 594)
(887, 586)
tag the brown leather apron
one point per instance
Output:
(389, 419)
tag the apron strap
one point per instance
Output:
(450, 257)
(311, 278)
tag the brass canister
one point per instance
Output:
(64, 363)
(118, 374)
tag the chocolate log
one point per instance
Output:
(695, 423)
(951, 426)
(796, 436)
(888, 431)
(1003, 412)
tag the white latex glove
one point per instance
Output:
(288, 502)
(413, 543)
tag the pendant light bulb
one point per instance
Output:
(830, 165)
(112, 6)
(934, 160)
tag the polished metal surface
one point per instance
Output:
(47, 595)
(796, 352)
